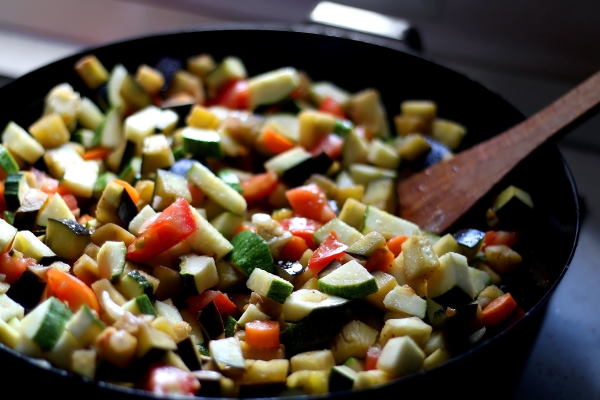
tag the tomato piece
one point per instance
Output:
(373, 354)
(293, 249)
(331, 144)
(274, 142)
(168, 380)
(197, 194)
(71, 290)
(197, 303)
(380, 260)
(70, 200)
(330, 249)
(172, 226)
(302, 227)
(233, 95)
(500, 237)
(48, 185)
(259, 186)
(309, 201)
(329, 105)
(262, 334)
(13, 267)
(222, 302)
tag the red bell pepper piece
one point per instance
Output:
(233, 95)
(309, 201)
(373, 354)
(13, 267)
(329, 105)
(172, 226)
(293, 249)
(330, 249)
(70, 201)
(303, 228)
(500, 237)
(168, 380)
(197, 194)
(331, 145)
(259, 186)
(222, 302)
(71, 290)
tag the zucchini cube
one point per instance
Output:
(401, 356)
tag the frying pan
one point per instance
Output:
(353, 62)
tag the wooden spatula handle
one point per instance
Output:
(438, 196)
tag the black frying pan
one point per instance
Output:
(354, 64)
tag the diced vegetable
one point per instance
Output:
(354, 340)
(28, 244)
(401, 356)
(46, 323)
(250, 251)
(302, 227)
(309, 201)
(344, 232)
(111, 259)
(71, 290)
(272, 86)
(216, 189)
(206, 239)
(198, 273)
(18, 141)
(351, 281)
(172, 226)
(498, 310)
(259, 186)
(264, 334)
(330, 249)
(167, 380)
(318, 360)
(269, 285)
(387, 224)
(304, 301)
(67, 238)
(403, 299)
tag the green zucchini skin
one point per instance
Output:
(251, 251)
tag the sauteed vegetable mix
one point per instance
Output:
(184, 228)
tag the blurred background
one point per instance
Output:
(529, 51)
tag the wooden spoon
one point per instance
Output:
(438, 196)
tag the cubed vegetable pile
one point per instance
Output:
(187, 229)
